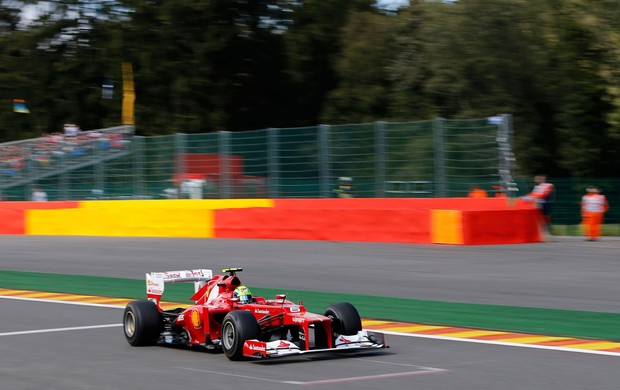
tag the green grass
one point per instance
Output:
(575, 230)
(570, 323)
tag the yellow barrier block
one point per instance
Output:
(191, 223)
(195, 204)
(447, 227)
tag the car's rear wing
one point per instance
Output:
(156, 281)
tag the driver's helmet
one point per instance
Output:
(243, 293)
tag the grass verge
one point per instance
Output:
(609, 230)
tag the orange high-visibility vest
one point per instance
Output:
(594, 203)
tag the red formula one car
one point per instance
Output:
(225, 316)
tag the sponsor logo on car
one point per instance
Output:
(299, 320)
(295, 309)
(196, 319)
(261, 311)
(256, 347)
(192, 273)
(343, 340)
(284, 344)
(172, 275)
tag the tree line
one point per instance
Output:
(208, 65)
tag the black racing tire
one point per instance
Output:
(142, 323)
(237, 327)
(345, 318)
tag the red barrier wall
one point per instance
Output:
(500, 227)
(325, 224)
(27, 205)
(12, 221)
(480, 221)
(485, 221)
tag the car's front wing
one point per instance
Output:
(363, 340)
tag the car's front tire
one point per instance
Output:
(345, 318)
(237, 327)
(142, 323)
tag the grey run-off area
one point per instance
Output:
(567, 273)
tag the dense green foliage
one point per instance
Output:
(208, 65)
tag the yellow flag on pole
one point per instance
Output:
(129, 95)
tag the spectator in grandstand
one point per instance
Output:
(71, 130)
(477, 192)
(38, 195)
(542, 195)
(593, 207)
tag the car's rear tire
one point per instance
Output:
(345, 318)
(237, 327)
(142, 323)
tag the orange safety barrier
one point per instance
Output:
(12, 221)
(457, 221)
(324, 224)
(28, 205)
(500, 227)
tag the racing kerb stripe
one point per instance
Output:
(379, 325)
(86, 299)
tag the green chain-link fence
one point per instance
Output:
(425, 159)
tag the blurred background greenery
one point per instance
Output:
(208, 65)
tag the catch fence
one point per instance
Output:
(435, 158)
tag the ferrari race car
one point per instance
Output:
(241, 325)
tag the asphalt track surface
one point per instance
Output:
(98, 357)
(567, 273)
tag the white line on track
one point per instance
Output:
(235, 375)
(368, 377)
(505, 343)
(59, 329)
(420, 371)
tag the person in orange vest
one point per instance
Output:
(593, 207)
(543, 195)
(477, 192)
(500, 192)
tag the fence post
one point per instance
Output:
(99, 172)
(224, 151)
(63, 179)
(440, 168)
(380, 159)
(179, 154)
(138, 163)
(509, 159)
(273, 159)
(31, 170)
(324, 168)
